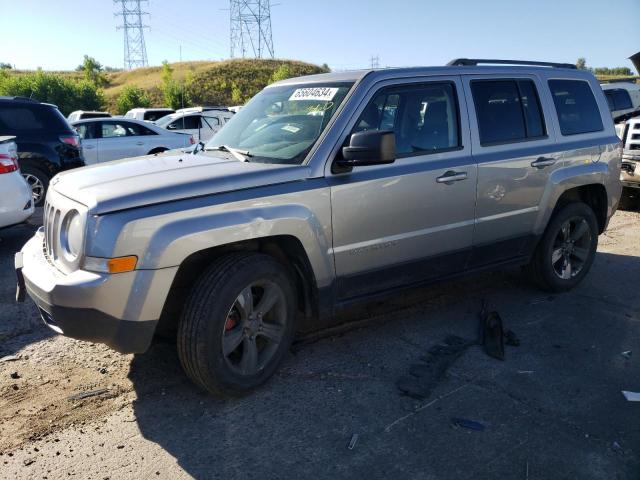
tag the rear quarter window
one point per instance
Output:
(31, 118)
(576, 107)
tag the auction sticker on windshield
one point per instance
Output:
(323, 94)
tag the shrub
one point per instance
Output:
(68, 94)
(130, 97)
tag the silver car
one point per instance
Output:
(115, 138)
(324, 191)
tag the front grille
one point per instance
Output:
(634, 146)
(52, 219)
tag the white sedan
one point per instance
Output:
(16, 203)
(105, 139)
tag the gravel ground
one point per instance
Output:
(552, 410)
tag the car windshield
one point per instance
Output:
(281, 124)
(166, 120)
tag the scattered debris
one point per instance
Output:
(103, 370)
(631, 396)
(492, 334)
(626, 354)
(511, 339)
(28, 461)
(120, 447)
(354, 440)
(424, 376)
(92, 393)
(15, 375)
(470, 424)
(9, 358)
(15, 387)
(525, 371)
(615, 446)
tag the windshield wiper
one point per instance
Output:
(242, 155)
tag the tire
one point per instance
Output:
(38, 181)
(215, 318)
(578, 250)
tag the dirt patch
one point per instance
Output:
(35, 390)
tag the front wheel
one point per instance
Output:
(567, 248)
(237, 324)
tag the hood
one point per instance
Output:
(151, 179)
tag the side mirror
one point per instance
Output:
(369, 148)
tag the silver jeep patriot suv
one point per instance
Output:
(323, 191)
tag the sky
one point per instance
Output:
(345, 34)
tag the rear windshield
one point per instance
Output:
(16, 119)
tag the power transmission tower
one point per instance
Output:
(375, 61)
(251, 29)
(135, 51)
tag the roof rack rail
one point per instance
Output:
(478, 61)
(21, 98)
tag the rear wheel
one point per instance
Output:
(237, 324)
(567, 248)
(38, 181)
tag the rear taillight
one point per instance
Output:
(73, 140)
(8, 163)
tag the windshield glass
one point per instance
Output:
(166, 120)
(281, 124)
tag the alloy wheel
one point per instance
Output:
(571, 248)
(254, 327)
(36, 185)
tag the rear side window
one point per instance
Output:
(186, 123)
(31, 118)
(618, 99)
(576, 107)
(156, 115)
(507, 111)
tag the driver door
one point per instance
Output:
(405, 223)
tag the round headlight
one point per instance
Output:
(72, 234)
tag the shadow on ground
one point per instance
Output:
(20, 323)
(553, 409)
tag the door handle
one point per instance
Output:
(139, 143)
(451, 176)
(89, 147)
(542, 162)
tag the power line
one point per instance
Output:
(251, 28)
(375, 61)
(135, 50)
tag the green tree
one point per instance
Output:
(581, 63)
(93, 71)
(5, 66)
(130, 97)
(68, 94)
(171, 94)
(281, 73)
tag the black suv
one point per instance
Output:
(47, 144)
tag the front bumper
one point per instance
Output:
(119, 310)
(630, 173)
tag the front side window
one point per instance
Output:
(281, 124)
(424, 117)
(507, 111)
(576, 107)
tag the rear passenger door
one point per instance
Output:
(412, 220)
(87, 132)
(515, 150)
